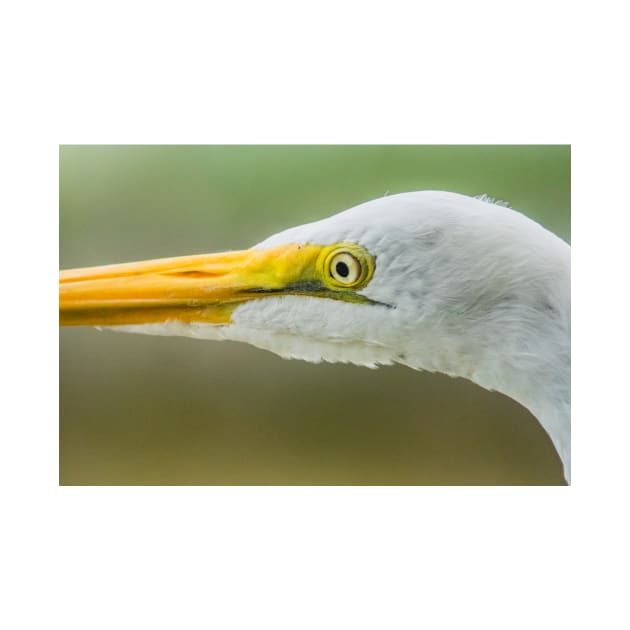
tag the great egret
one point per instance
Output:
(432, 280)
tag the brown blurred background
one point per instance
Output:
(156, 410)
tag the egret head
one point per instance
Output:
(433, 280)
(430, 279)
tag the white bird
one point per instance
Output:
(433, 280)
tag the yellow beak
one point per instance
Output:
(204, 288)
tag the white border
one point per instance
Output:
(313, 557)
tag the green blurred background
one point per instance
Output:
(137, 409)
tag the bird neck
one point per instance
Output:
(542, 385)
(530, 364)
(556, 420)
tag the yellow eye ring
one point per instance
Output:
(348, 267)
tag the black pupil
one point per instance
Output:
(342, 269)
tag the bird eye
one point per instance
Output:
(345, 268)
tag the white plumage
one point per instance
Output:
(461, 285)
